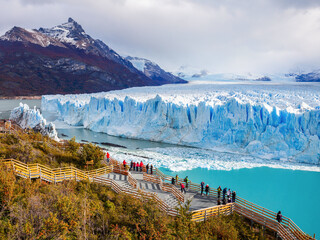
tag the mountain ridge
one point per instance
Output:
(62, 60)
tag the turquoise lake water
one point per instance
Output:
(296, 193)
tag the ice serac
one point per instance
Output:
(271, 123)
(32, 118)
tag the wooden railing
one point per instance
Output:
(287, 229)
(151, 178)
(132, 181)
(203, 214)
(53, 175)
(167, 187)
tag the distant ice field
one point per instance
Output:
(280, 95)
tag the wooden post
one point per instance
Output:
(54, 178)
(40, 174)
(219, 210)
(29, 173)
(64, 176)
(205, 215)
(76, 175)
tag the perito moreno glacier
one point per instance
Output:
(270, 121)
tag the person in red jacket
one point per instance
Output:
(183, 188)
(137, 166)
(134, 166)
(141, 166)
(108, 157)
(124, 164)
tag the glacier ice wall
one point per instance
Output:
(32, 118)
(258, 129)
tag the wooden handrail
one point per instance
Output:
(257, 212)
(287, 229)
(54, 175)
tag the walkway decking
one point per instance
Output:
(197, 201)
(166, 196)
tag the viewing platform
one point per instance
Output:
(158, 187)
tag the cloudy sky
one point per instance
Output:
(222, 36)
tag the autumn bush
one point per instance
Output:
(32, 147)
(34, 209)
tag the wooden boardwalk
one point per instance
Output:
(158, 188)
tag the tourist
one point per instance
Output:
(183, 189)
(137, 166)
(186, 180)
(151, 169)
(173, 181)
(147, 167)
(134, 166)
(224, 193)
(233, 196)
(219, 192)
(218, 203)
(124, 164)
(177, 178)
(229, 199)
(202, 187)
(131, 165)
(141, 166)
(228, 193)
(279, 217)
(108, 157)
(207, 189)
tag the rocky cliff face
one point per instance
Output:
(153, 71)
(63, 59)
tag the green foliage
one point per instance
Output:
(91, 152)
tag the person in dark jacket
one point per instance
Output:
(147, 168)
(173, 180)
(207, 189)
(224, 193)
(233, 196)
(151, 169)
(131, 165)
(279, 217)
(202, 187)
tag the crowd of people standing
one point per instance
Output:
(228, 196)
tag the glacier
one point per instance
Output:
(32, 118)
(272, 121)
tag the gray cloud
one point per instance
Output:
(221, 36)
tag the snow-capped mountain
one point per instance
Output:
(63, 59)
(17, 34)
(72, 33)
(152, 70)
